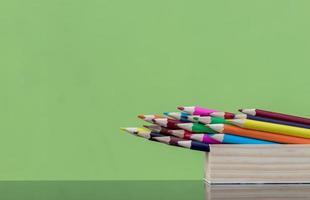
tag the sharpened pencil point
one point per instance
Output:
(249, 111)
(180, 107)
(185, 126)
(240, 110)
(164, 139)
(237, 122)
(141, 116)
(216, 127)
(186, 144)
(197, 137)
(130, 129)
(166, 113)
(160, 120)
(218, 137)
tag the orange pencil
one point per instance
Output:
(285, 139)
(149, 118)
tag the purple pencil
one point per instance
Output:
(204, 138)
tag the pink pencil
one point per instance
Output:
(196, 110)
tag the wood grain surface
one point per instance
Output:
(243, 164)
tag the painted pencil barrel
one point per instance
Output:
(271, 127)
(224, 115)
(180, 133)
(195, 127)
(275, 115)
(196, 110)
(182, 116)
(261, 135)
(199, 146)
(227, 138)
(208, 120)
(168, 123)
(265, 119)
(170, 140)
(193, 136)
(205, 138)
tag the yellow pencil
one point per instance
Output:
(271, 127)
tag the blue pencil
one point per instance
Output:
(199, 146)
(227, 138)
(276, 121)
(182, 116)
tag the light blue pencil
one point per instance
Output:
(182, 116)
(227, 138)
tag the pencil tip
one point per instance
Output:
(216, 127)
(240, 110)
(185, 126)
(166, 113)
(180, 107)
(160, 121)
(164, 139)
(237, 122)
(249, 111)
(130, 129)
(141, 116)
(185, 143)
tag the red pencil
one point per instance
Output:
(168, 123)
(149, 118)
(274, 115)
(158, 129)
(224, 115)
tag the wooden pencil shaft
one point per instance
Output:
(275, 128)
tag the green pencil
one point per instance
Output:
(208, 120)
(196, 128)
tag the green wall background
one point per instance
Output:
(72, 72)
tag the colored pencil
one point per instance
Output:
(196, 128)
(204, 138)
(141, 132)
(271, 127)
(261, 135)
(182, 116)
(168, 123)
(274, 115)
(199, 146)
(190, 136)
(235, 139)
(171, 140)
(181, 134)
(196, 110)
(276, 121)
(208, 120)
(151, 136)
(157, 129)
(134, 130)
(149, 118)
(224, 115)
(194, 118)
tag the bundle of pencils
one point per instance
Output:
(196, 128)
